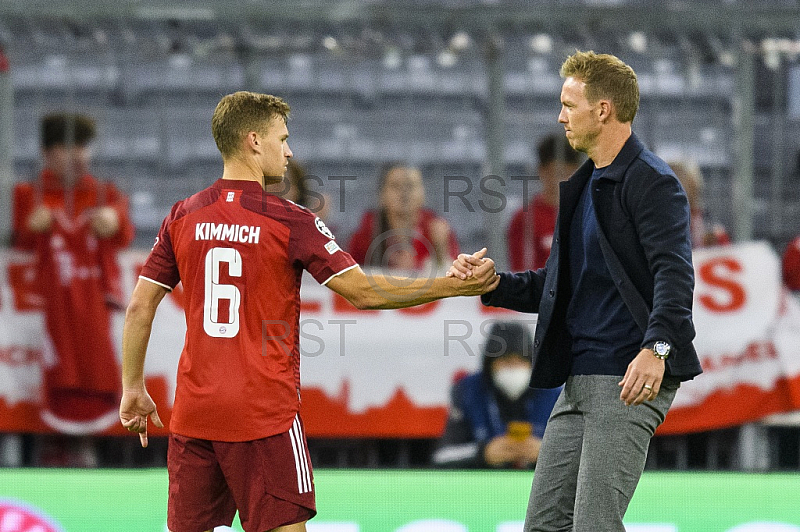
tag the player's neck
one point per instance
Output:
(236, 169)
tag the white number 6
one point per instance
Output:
(216, 291)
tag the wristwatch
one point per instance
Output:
(661, 349)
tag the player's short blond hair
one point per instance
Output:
(606, 77)
(239, 113)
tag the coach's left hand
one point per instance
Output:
(642, 380)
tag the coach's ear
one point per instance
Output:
(605, 110)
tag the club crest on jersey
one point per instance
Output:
(322, 228)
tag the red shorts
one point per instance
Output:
(268, 480)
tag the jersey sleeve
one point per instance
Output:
(315, 247)
(161, 267)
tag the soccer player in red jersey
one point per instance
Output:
(237, 439)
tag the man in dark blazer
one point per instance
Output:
(614, 303)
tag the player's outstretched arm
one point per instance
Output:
(136, 404)
(384, 292)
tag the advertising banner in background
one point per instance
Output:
(388, 373)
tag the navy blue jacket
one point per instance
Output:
(643, 221)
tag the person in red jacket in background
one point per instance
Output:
(791, 265)
(530, 232)
(402, 233)
(75, 225)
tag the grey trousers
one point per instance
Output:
(593, 454)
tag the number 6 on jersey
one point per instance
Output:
(215, 291)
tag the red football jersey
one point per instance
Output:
(240, 254)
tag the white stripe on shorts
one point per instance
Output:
(300, 457)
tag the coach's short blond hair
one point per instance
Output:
(606, 77)
(239, 113)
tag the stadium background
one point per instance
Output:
(461, 88)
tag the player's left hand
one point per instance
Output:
(135, 407)
(642, 380)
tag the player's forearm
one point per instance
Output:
(135, 337)
(392, 293)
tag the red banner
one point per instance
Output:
(388, 373)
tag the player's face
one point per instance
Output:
(579, 116)
(275, 152)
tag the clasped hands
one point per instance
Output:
(466, 266)
(504, 450)
(476, 270)
(103, 221)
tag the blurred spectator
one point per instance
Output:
(75, 224)
(791, 265)
(530, 232)
(402, 233)
(495, 419)
(704, 234)
(791, 256)
(295, 188)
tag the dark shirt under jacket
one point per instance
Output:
(643, 232)
(605, 337)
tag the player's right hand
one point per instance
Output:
(136, 405)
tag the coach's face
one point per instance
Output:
(581, 118)
(274, 150)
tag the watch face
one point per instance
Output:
(661, 349)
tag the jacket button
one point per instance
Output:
(552, 293)
(536, 343)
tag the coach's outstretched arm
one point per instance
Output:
(136, 404)
(382, 292)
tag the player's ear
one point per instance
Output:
(252, 141)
